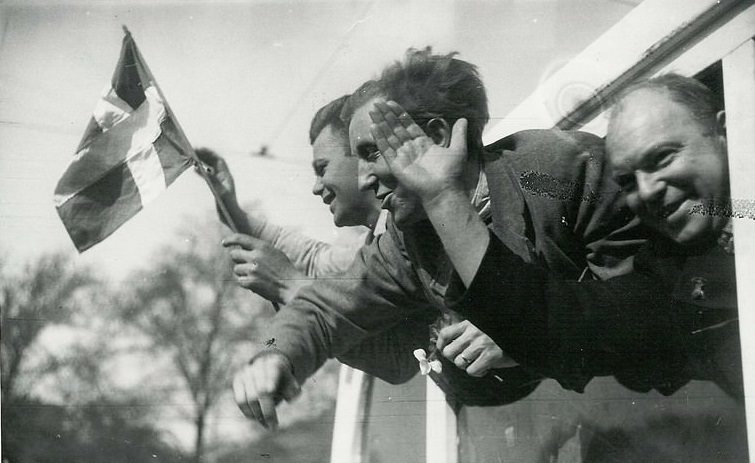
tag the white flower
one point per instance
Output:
(426, 365)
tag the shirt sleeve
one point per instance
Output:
(312, 257)
(332, 315)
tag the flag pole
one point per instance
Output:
(202, 168)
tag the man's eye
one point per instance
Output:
(371, 154)
(664, 158)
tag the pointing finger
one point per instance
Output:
(239, 396)
(267, 410)
(245, 394)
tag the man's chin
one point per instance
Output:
(338, 219)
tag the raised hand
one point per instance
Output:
(421, 165)
(220, 175)
(262, 269)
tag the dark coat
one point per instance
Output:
(672, 320)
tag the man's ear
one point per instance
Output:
(440, 132)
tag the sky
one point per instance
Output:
(239, 75)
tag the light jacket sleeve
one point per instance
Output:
(387, 354)
(332, 315)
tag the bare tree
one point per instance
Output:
(77, 418)
(190, 309)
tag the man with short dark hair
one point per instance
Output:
(335, 169)
(335, 181)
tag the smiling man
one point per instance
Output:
(672, 162)
(336, 171)
(672, 159)
(282, 251)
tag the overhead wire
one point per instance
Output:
(318, 76)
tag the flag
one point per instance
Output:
(131, 151)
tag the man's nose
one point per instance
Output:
(649, 187)
(317, 188)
